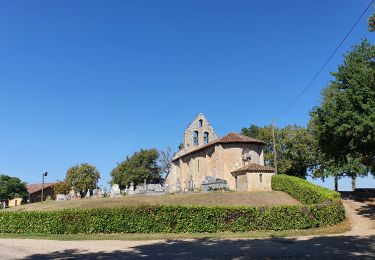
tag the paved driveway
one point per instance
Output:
(359, 243)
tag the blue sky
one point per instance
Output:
(94, 81)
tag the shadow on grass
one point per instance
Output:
(335, 247)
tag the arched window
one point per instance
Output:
(195, 138)
(206, 137)
(260, 178)
(200, 123)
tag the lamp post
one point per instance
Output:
(44, 175)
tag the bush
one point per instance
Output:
(304, 191)
(171, 219)
(323, 208)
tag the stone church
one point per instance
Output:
(235, 158)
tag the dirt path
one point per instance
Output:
(359, 243)
(361, 224)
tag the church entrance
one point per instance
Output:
(241, 182)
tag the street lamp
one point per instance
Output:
(44, 175)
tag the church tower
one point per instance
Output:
(199, 132)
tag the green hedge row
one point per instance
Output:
(171, 219)
(304, 191)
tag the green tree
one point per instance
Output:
(371, 23)
(263, 133)
(12, 187)
(61, 188)
(295, 147)
(344, 122)
(82, 177)
(142, 165)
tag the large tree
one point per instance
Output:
(142, 165)
(61, 188)
(165, 162)
(344, 122)
(295, 148)
(82, 177)
(12, 187)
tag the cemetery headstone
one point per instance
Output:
(211, 183)
(88, 194)
(115, 191)
(61, 197)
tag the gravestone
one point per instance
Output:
(115, 191)
(130, 190)
(73, 194)
(211, 183)
(155, 187)
(101, 193)
(88, 194)
(61, 197)
(140, 189)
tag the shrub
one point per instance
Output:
(171, 219)
(304, 191)
(323, 208)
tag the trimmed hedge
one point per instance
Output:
(323, 207)
(171, 219)
(304, 191)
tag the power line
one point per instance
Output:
(325, 63)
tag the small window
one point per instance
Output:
(198, 165)
(206, 137)
(200, 123)
(195, 138)
(260, 178)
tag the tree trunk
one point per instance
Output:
(353, 182)
(336, 183)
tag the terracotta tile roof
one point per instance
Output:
(237, 138)
(229, 138)
(31, 188)
(252, 167)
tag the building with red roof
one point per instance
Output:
(236, 158)
(35, 191)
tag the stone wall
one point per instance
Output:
(257, 183)
(232, 159)
(218, 161)
(200, 129)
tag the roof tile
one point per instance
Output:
(229, 138)
(31, 188)
(253, 167)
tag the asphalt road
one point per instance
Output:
(359, 243)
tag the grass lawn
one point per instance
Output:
(261, 198)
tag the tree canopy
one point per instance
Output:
(295, 147)
(344, 122)
(371, 23)
(142, 165)
(82, 177)
(165, 162)
(61, 188)
(12, 187)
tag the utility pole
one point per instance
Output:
(274, 145)
(44, 175)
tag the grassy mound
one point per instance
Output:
(322, 207)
